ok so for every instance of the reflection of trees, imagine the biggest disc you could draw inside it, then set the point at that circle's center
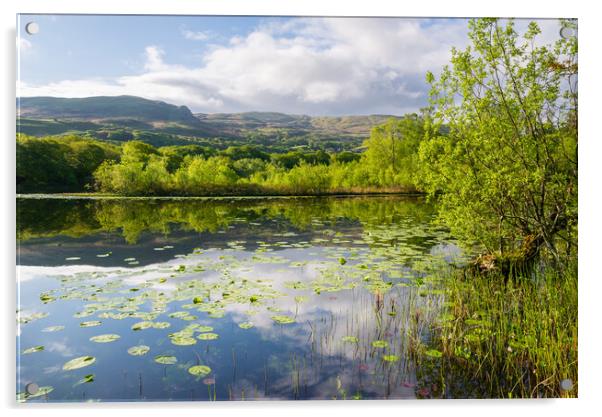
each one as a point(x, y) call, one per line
point(47, 217)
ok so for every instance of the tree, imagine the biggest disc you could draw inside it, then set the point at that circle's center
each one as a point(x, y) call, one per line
point(507, 168)
point(391, 150)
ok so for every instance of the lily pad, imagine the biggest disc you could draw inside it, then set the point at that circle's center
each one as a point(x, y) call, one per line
point(45, 390)
point(183, 340)
point(90, 323)
point(390, 358)
point(33, 349)
point(283, 319)
point(350, 339)
point(53, 329)
point(207, 336)
point(105, 338)
point(204, 329)
point(85, 380)
point(166, 359)
point(142, 325)
point(246, 325)
point(199, 370)
point(138, 350)
point(381, 344)
point(79, 363)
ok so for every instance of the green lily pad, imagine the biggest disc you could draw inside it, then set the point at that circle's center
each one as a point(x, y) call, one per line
point(350, 339)
point(142, 325)
point(203, 329)
point(166, 359)
point(390, 358)
point(199, 370)
point(105, 338)
point(85, 380)
point(79, 363)
point(283, 319)
point(53, 329)
point(33, 349)
point(246, 325)
point(183, 340)
point(45, 390)
point(138, 350)
point(381, 344)
point(207, 336)
point(90, 323)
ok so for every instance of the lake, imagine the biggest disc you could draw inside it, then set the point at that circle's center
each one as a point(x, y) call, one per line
point(227, 299)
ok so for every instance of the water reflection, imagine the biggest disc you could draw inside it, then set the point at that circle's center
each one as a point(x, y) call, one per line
point(309, 298)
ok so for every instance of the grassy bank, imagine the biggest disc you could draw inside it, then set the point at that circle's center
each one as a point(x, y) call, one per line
point(511, 340)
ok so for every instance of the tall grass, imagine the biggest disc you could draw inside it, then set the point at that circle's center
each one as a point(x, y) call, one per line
point(509, 339)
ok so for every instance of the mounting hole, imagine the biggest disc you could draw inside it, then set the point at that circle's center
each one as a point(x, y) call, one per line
point(32, 28)
point(567, 33)
point(32, 388)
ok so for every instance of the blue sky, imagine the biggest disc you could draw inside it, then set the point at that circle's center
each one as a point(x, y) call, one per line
point(217, 64)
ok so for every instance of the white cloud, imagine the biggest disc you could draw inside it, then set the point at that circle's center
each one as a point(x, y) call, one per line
point(196, 36)
point(313, 65)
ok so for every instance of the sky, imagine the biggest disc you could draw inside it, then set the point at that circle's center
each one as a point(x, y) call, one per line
point(213, 64)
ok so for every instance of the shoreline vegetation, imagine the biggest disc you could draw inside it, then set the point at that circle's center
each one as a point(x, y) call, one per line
point(335, 193)
point(495, 150)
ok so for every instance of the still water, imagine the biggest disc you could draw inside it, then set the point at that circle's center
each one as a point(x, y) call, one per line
point(226, 299)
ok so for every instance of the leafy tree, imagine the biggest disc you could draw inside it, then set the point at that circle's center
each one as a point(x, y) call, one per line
point(391, 150)
point(508, 166)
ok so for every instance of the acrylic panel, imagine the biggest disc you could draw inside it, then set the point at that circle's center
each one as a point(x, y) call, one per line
point(221, 208)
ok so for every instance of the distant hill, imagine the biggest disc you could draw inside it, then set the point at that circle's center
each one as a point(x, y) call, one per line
point(123, 118)
point(238, 123)
point(99, 109)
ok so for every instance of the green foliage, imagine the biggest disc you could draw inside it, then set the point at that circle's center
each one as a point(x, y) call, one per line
point(524, 333)
point(58, 164)
point(507, 169)
point(391, 151)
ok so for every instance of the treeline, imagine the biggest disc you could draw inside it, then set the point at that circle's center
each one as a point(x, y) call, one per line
point(136, 168)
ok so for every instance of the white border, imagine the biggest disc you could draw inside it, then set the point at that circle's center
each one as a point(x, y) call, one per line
point(590, 348)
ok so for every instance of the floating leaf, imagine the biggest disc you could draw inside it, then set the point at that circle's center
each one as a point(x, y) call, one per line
point(283, 319)
point(90, 323)
point(73, 258)
point(79, 363)
point(85, 380)
point(53, 329)
point(166, 359)
point(138, 350)
point(390, 358)
point(105, 338)
point(46, 298)
point(245, 325)
point(45, 390)
point(203, 329)
point(142, 325)
point(380, 344)
point(182, 340)
point(199, 370)
point(342, 261)
point(350, 339)
point(33, 349)
point(208, 336)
